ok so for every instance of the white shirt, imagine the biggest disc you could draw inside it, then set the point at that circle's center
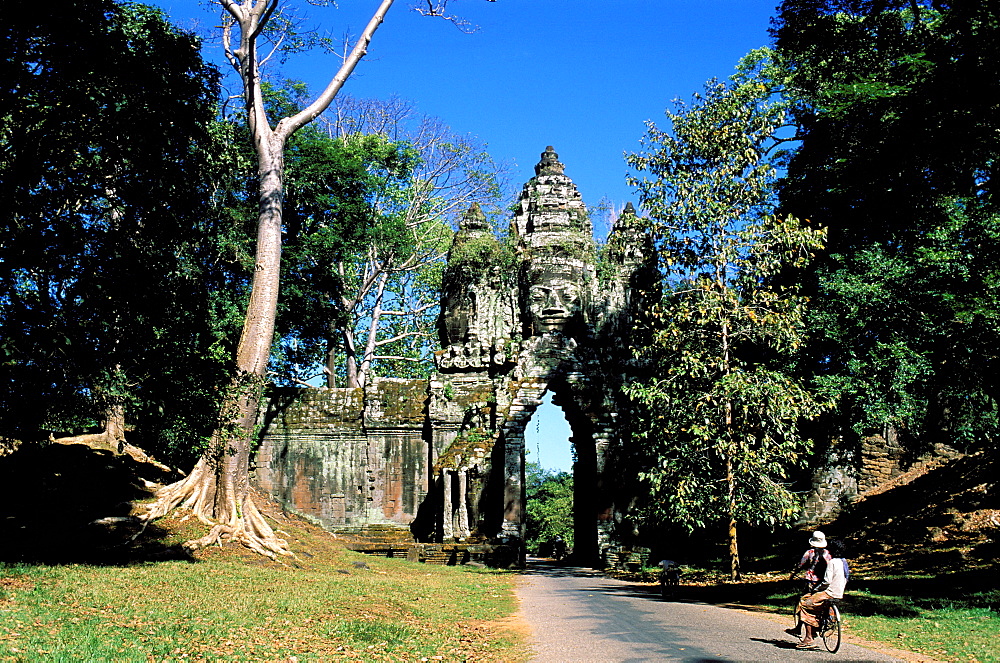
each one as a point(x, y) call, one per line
point(835, 577)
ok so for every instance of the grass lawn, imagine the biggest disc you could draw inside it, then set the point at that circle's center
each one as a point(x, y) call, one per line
point(328, 604)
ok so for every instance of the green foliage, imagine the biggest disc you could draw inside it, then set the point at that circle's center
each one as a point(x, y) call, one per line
point(114, 281)
point(549, 506)
point(367, 229)
point(716, 428)
point(472, 257)
point(331, 225)
point(899, 139)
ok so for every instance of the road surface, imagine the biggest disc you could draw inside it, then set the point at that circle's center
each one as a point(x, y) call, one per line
point(578, 615)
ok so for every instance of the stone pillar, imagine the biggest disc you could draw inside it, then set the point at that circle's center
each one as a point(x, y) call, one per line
point(462, 527)
point(513, 494)
point(448, 517)
point(603, 506)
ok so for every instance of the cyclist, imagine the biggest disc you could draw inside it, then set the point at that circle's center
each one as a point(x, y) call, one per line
point(831, 588)
point(814, 561)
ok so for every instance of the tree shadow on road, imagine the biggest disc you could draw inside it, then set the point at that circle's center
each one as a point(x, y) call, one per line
point(540, 566)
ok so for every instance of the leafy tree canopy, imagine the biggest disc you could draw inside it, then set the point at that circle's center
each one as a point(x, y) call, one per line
point(112, 256)
point(896, 104)
point(716, 426)
point(549, 506)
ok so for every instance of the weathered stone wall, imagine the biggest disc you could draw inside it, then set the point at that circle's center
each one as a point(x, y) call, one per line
point(347, 458)
point(846, 473)
point(882, 459)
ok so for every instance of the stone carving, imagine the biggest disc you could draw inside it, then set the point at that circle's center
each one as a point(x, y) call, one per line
point(534, 328)
point(517, 320)
point(549, 165)
point(552, 304)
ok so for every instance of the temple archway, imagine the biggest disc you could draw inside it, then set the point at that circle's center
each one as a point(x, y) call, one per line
point(536, 312)
point(512, 329)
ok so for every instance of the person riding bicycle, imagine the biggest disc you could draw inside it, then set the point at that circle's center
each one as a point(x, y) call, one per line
point(559, 548)
point(814, 561)
point(812, 604)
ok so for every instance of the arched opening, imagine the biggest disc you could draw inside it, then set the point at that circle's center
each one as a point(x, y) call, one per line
point(549, 481)
point(547, 437)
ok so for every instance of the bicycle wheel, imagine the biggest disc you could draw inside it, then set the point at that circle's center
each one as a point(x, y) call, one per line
point(831, 630)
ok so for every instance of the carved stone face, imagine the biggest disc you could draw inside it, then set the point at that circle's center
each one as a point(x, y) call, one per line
point(458, 311)
point(552, 304)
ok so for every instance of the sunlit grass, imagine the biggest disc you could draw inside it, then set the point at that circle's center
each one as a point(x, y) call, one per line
point(956, 628)
point(331, 605)
point(962, 627)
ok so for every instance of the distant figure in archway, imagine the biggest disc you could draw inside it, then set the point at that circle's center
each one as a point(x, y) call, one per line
point(559, 549)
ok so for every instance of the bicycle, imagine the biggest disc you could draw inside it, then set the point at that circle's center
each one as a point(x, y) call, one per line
point(830, 625)
point(829, 630)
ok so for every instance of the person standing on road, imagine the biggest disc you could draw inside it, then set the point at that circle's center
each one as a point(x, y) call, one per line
point(812, 604)
point(815, 561)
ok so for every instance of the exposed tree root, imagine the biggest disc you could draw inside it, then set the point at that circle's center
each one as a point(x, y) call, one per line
point(231, 519)
point(107, 441)
point(103, 441)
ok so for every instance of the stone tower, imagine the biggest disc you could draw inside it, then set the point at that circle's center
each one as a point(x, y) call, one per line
point(519, 319)
point(532, 312)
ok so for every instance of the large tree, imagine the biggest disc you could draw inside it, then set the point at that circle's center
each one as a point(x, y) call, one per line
point(218, 488)
point(114, 287)
point(899, 131)
point(716, 426)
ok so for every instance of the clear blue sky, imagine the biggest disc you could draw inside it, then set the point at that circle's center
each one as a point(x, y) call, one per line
point(546, 439)
point(581, 75)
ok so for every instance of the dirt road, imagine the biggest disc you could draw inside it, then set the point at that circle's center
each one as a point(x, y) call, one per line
point(578, 615)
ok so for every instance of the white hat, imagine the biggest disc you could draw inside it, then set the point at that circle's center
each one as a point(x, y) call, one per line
point(818, 540)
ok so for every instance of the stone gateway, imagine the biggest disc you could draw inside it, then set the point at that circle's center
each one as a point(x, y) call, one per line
point(444, 458)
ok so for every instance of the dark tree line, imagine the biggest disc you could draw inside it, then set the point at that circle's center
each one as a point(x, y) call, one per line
point(116, 257)
point(876, 124)
point(896, 106)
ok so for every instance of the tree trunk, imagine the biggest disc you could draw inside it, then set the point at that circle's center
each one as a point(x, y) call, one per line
point(112, 435)
point(350, 360)
point(218, 488)
point(734, 552)
point(364, 368)
point(331, 355)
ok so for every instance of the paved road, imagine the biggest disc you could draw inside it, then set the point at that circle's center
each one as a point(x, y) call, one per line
point(577, 615)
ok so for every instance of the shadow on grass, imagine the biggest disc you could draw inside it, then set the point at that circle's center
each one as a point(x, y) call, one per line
point(66, 504)
point(902, 597)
